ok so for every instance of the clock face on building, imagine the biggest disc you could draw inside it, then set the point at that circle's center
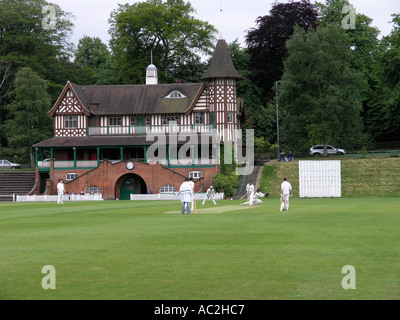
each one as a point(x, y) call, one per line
point(130, 165)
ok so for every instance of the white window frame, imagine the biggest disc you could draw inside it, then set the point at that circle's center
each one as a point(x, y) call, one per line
point(229, 117)
point(115, 121)
point(170, 120)
point(71, 176)
point(195, 174)
point(199, 118)
point(175, 95)
point(70, 122)
point(168, 188)
point(92, 189)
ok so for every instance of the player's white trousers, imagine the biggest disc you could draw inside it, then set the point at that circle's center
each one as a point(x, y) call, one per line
point(212, 198)
point(60, 198)
point(285, 202)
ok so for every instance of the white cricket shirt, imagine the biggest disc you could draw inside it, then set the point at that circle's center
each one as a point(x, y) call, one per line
point(286, 187)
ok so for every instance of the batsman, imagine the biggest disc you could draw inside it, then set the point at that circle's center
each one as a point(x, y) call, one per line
point(286, 191)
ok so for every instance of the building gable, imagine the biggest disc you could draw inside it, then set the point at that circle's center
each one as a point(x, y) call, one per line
point(199, 102)
point(69, 103)
point(70, 115)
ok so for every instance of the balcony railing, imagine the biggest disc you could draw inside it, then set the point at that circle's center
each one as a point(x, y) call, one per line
point(141, 130)
point(185, 162)
point(90, 164)
point(68, 164)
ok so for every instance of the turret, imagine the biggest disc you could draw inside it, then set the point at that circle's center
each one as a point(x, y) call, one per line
point(221, 80)
point(151, 75)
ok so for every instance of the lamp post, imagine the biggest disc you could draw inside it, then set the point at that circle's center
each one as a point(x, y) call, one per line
point(277, 117)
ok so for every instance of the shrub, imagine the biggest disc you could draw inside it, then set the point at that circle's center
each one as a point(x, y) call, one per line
point(227, 183)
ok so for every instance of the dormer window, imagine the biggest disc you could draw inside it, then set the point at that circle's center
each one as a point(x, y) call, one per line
point(175, 94)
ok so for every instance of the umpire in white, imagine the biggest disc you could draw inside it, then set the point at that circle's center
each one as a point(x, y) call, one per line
point(186, 195)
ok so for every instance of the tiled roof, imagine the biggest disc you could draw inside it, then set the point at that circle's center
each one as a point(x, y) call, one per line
point(136, 99)
point(106, 141)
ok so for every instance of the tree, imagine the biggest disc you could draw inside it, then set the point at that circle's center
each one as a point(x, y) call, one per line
point(246, 88)
point(363, 38)
point(386, 114)
point(5, 72)
point(227, 180)
point(227, 183)
point(94, 57)
point(363, 42)
point(28, 122)
point(320, 93)
point(108, 74)
point(255, 115)
point(25, 41)
point(91, 52)
point(166, 29)
point(266, 43)
point(189, 71)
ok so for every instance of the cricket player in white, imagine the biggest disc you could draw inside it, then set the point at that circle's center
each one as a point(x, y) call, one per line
point(210, 194)
point(286, 191)
point(60, 191)
point(185, 191)
point(255, 198)
point(250, 192)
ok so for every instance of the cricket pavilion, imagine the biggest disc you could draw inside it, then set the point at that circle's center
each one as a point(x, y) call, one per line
point(117, 140)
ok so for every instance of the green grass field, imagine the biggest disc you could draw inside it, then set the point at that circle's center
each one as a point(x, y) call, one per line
point(148, 250)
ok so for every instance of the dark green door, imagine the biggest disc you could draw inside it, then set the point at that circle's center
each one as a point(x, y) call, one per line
point(212, 121)
point(140, 125)
point(127, 187)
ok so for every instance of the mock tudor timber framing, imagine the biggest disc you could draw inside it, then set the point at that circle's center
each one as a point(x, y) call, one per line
point(94, 123)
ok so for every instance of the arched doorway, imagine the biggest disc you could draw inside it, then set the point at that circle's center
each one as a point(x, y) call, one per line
point(130, 183)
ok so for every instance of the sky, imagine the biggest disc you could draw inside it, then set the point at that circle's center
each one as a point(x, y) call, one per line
point(233, 22)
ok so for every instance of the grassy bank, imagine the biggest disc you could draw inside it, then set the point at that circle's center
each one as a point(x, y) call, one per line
point(372, 177)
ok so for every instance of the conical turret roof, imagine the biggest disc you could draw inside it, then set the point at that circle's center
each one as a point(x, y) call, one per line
point(221, 63)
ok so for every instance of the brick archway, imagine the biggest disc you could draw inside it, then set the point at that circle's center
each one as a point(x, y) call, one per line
point(129, 183)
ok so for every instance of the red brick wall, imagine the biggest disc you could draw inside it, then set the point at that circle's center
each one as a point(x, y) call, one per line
point(108, 177)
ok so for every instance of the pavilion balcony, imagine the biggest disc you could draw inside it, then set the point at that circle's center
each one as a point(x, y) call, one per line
point(84, 164)
point(143, 130)
point(171, 162)
point(44, 166)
